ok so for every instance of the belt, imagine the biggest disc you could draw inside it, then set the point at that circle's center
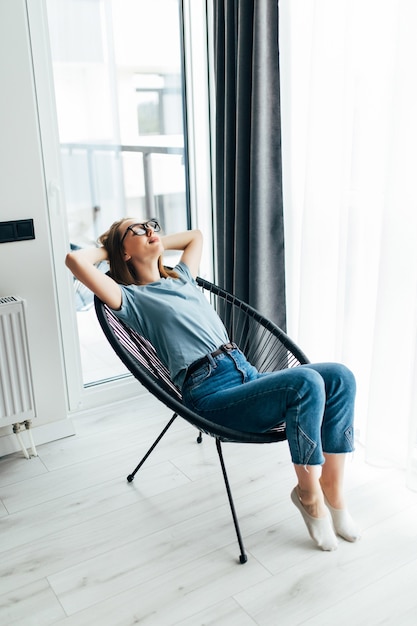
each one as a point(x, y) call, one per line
point(226, 347)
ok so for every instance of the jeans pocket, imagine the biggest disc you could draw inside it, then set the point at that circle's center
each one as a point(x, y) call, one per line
point(198, 377)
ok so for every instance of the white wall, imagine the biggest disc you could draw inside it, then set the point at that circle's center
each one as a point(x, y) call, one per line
point(26, 266)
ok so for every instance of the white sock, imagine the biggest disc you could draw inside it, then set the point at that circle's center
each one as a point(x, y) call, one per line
point(320, 528)
point(344, 524)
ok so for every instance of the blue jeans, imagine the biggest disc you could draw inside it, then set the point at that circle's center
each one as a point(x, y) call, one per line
point(315, 401)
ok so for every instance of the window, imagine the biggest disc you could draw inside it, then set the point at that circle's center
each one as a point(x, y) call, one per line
point(120, 99)
point(86, 51)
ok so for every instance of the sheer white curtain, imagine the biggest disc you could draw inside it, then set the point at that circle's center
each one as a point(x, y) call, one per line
point(349, 126)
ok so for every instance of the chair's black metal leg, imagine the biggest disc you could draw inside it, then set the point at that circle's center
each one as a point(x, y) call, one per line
point(243, 557)
point(155, 443)
point(200, 437)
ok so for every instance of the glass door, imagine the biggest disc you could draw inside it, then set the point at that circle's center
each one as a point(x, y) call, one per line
point(120, 100)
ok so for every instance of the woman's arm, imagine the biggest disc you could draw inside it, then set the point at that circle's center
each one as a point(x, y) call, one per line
point(191, 243)
point(82, 264)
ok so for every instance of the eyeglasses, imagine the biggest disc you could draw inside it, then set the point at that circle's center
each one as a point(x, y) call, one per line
point(142, 229)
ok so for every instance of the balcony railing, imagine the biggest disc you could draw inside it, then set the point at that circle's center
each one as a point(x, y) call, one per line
point(155, 145)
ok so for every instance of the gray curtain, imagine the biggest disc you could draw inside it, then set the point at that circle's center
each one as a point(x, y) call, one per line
point(249, 214)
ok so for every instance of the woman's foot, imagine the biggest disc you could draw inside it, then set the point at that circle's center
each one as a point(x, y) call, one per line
point(344, 525)
point(320, 528)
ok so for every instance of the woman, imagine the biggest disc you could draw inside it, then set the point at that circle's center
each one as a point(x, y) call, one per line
point(315, 401)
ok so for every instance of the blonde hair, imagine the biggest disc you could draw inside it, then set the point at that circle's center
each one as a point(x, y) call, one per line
point(123, 271)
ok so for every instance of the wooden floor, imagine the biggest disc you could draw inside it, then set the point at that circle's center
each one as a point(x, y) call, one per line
point(82, 547)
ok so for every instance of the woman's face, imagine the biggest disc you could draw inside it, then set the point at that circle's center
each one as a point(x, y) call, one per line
point(140, 239)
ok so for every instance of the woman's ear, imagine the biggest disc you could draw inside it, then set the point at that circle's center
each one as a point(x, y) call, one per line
point(126, 257)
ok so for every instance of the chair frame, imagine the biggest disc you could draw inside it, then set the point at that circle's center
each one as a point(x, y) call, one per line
point(269, 345)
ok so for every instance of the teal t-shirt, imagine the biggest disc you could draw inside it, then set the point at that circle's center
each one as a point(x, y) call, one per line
point(176, 317)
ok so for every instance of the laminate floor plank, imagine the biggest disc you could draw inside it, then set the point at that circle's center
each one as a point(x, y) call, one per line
point(34, 604)
point(174, 595)
point(226, 613)
point(389, 600)
point(305, 587)
point(79, 545)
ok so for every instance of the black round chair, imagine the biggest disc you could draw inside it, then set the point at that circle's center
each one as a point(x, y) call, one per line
point(265, 345)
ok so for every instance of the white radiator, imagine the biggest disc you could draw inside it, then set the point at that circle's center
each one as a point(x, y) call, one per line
point(16, 389)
